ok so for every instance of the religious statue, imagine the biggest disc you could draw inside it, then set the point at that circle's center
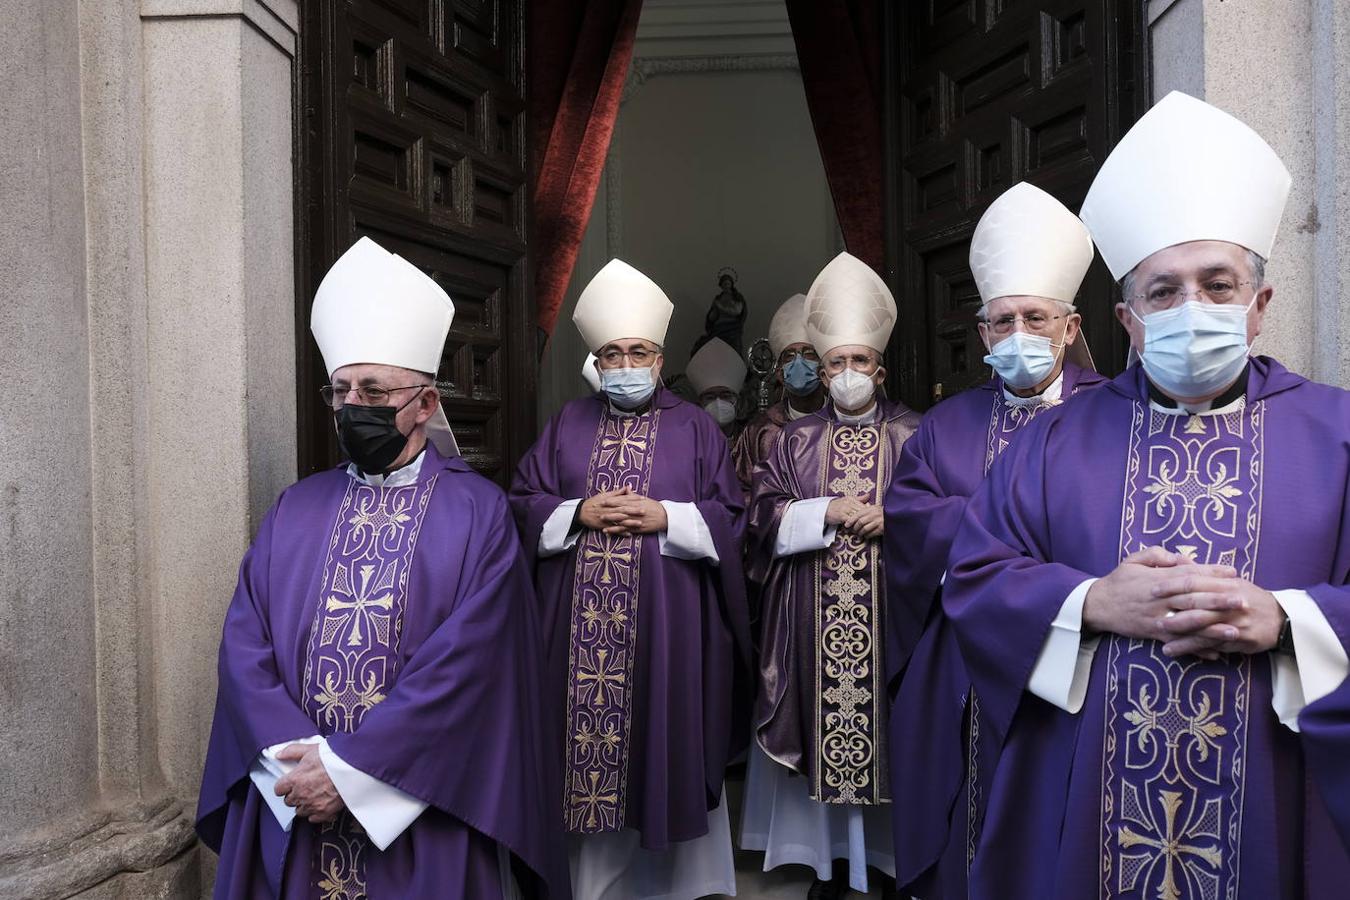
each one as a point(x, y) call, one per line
point(726, 315)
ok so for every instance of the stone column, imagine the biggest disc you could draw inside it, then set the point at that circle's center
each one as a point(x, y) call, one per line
point(220, 289)
point(48, 686)
point(149, 329)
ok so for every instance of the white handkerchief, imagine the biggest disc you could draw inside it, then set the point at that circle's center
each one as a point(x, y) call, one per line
point(267, 770)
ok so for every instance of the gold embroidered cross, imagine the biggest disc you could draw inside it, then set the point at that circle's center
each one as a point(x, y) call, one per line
point(360, 604)
point(1170, 847)
point(632, 437)
point(601, 674)
point(612, 553)
point(593, 798)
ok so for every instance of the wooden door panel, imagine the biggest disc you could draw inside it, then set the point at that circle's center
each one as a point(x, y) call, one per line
point(991, 93)
point(413, 134)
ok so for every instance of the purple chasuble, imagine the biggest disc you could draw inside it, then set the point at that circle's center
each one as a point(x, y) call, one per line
point(353, 646)
point(935, 740)
point(822, 703)
point(754, 444)
point(399, 623)
point(647, 653)
point(1175, 780)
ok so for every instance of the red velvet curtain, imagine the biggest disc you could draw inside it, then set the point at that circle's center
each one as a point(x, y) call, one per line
point(577, 58)
point(839, 51)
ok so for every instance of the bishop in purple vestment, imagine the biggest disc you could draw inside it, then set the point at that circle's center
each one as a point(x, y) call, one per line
point(1151, 581)
point(797, 374)
point(632, 519)
point(819, 777)
point(379, 727)
point(1028, 256)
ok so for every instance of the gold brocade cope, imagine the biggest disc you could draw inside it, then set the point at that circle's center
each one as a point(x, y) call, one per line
point(354, 643)
point(850, 702)
point(1175, 743)
point(603, 636)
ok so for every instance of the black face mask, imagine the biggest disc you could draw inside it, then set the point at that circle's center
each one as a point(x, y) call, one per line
point(369, 437)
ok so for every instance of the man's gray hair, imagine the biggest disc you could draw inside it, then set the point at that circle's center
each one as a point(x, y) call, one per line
point(1255, 261)
point(1065, 308)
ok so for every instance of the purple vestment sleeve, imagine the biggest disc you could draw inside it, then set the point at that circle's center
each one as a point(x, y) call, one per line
point(1000, 593)
point(754, 444)
point(921, 523)
point(774, 487)
point(1325, 727)
point(535, 493)
point(254, 708)
point(722, 506)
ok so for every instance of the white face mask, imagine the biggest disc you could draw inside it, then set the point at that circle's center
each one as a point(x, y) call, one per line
point(1196, 349)
point(851, 389)
point(721, 409)
point(1024, 360)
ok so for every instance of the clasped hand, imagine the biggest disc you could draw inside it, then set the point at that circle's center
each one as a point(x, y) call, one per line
point(1190, 607)
point(866, 520)
point(307, 787)
point(623, 511)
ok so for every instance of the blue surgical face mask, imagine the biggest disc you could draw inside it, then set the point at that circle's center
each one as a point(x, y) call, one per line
point(628, 388)
point(1196, 349)
point(1024, 360)
point(801, 376)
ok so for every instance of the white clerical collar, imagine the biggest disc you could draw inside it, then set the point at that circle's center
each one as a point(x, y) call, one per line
point(398, 478)
point(866, 418)
point(793, 413)
point(1234, 398)
point(1198, 409)
point(1048, 397)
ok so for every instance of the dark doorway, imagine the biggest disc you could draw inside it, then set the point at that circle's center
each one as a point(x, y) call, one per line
point(984, 94)
point(412, 131)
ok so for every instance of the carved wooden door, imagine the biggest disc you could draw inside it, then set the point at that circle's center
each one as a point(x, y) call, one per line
point(412, 131)
point(993, 92)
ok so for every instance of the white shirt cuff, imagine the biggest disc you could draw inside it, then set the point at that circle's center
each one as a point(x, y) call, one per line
point(1319, 663)
point(267, 770)
point(383, 810)
point(686, 535)
point(555, 538)
point(1064, 665)
point(803, 529)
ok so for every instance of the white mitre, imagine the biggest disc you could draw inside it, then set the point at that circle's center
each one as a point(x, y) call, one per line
point(848, 303)
point(375, 307)
point(716, 364)
point(1186, 171)
point(788, 325)
point(590, 373)
point(1028, 244)
point(621, 302)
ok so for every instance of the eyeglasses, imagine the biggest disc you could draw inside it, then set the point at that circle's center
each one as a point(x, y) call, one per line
point(638, 356)
point(787, 356)
point(1036, 323)
point(1166, 296)
point(865, 363)
point(369, 394)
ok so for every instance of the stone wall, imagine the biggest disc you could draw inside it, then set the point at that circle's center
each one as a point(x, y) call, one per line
point(1273, 63)
point(147, 344)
